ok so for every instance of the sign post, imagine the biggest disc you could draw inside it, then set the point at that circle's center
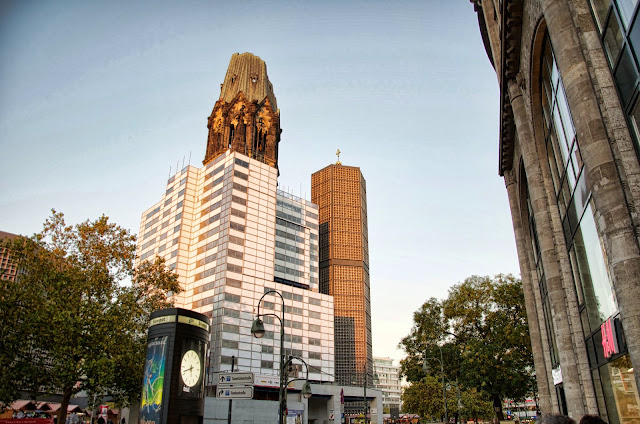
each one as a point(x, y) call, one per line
point(235, 392)
point(235, 385)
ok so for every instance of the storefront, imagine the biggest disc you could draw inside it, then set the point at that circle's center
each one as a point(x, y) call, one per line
point(613, 375)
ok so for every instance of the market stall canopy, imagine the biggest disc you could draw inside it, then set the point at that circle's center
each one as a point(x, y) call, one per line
point(23, 405)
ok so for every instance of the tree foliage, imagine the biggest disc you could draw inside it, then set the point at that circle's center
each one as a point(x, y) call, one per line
point(481, 330)
point(424, 397)
point(76, 316)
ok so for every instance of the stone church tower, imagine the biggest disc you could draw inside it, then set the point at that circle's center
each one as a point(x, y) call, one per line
point(246, 118)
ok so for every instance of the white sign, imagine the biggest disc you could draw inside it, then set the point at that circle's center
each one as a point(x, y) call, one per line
point(557, 375)
point(235, 392)
point(267, 381)
point(235, 378)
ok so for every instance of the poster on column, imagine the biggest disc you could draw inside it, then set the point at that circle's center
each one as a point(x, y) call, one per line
point(294, 416)
point(153, 381)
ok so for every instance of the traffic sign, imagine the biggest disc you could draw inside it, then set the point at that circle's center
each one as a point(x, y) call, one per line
point(235, 392)
point(235, 378)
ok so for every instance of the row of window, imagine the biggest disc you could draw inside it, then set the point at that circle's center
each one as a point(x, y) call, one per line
point(288, 236)
point(239, 200)
point(288, 205)
point(291, 225)
point(211, 208)
point(290, 259)
point(212, 184)
point(290, 247)
point(242, 163)
point(211, 196)
point(153, 212)
point(214, 172)
point(210, 221)
point(288, 217)
point(289, 271)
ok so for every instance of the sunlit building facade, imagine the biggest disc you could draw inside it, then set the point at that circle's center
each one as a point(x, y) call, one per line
point(231, 236)
point(8, 270)
point(569, 151)
point(387, 380)
point(340, 193)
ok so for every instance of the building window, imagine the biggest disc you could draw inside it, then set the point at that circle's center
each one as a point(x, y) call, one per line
point(619, 27)
point(593, 283)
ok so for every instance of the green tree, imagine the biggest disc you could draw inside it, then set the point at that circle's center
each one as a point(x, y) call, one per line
point(476, 405)
point(482, 331)
point(76, 317)
point(424, 397)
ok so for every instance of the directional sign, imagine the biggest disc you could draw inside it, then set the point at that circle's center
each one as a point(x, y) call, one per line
point(235, 379)
point(235, 392)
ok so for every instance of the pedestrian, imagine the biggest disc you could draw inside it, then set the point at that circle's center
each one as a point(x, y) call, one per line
point(101, 420)
point(592, 419)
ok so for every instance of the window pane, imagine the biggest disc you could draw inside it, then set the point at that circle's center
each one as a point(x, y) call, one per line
point(626, 8)
point(576, 278)
point(613, 40)
point(600, 9)
point(590, 256)
point(635, 120)
point(557, 121)
point(567, 123)
point(626, 77)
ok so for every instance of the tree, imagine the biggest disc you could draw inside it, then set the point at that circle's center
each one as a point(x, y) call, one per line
point(482, 330)
point(424, 397)
point(76, 316)
point(476, 405)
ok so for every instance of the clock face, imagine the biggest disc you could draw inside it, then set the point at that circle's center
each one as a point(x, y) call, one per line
point(190, 368)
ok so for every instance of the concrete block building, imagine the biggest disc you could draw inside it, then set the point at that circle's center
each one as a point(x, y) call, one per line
point(568, 73)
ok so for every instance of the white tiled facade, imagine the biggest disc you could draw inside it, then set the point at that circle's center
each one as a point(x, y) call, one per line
point(387, 381)
point(230, 235)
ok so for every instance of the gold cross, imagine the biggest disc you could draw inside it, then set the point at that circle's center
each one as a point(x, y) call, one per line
point(338, 154)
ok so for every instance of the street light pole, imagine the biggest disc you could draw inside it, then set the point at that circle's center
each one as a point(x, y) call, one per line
point(425, 367)
point(257, 329)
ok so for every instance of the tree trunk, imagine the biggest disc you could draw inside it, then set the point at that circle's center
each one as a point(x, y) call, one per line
point(497, 406)
point(62, 412)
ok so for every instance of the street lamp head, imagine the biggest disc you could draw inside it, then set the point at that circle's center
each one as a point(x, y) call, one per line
point(306, 390)
point(425, 366)
point(257, 328)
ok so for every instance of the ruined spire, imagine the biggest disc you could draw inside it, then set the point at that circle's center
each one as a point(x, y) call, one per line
point(246, 118)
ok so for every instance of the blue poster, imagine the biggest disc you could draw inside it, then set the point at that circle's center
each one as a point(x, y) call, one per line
point(153, 381)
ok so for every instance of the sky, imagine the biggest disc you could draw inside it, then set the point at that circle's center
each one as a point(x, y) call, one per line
point(100, 102)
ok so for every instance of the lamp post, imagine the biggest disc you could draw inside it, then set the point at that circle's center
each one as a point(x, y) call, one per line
point(306, 387)
point(425, 368)
point(257, 329)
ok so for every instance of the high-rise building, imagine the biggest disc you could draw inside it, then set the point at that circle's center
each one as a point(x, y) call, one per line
point(231, 236)
point(8, 270)
point(340, 193)
point(569, 79)
point(387, 380)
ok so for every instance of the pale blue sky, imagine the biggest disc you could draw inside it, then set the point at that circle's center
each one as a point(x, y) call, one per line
point(100, 99)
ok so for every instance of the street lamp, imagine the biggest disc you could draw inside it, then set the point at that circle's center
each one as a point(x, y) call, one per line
point(306, 387)
point(425, 368)
point(257, 329)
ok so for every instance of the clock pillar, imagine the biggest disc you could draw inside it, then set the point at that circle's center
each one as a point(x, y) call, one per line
point(174, 371)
